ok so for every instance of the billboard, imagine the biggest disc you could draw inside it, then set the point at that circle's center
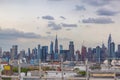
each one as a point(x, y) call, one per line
point(7, 67)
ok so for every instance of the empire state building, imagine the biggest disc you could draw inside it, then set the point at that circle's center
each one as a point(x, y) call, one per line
point(56, 45)
point(56, 49)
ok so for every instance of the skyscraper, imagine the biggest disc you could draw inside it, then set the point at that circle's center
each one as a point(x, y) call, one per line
point(83, 53)
point(71, 49)
point(109, 47)
point(56, 49)
point(56, 45)
point(14, 52)
point(112, 50)
point(119, 48)
point(104, 54)
point(77, 56)
point(61, 47)
point(89, 54)
point(44, 53)
point(29, 54)
point(0, 52)
point(98, 54)
point(22, 54)
point(118, 52)
point(39, 53)
point(51, 51)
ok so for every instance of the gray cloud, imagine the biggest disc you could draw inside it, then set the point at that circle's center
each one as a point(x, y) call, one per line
point(54, 26)
point(38, 17)
point(48, 32)
point(55, 0)
point(69, 25)
point(97, 2)
point(80, 8)
point(106, 12)
point(15, 34)
point(99, 20)
point(62, 17)
point(48, 17)
point(68, 29)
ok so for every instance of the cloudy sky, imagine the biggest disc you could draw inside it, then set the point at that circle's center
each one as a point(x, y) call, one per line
point(28, 23)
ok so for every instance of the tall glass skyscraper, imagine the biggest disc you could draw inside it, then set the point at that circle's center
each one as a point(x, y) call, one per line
point(29, 54)
point(71, 49)
point(39, 52)
point(56, 49)
point(112, 50)
point(14, 52)
point(44, 53)
point(109, 47)
point(98, 54)
point(51, 51)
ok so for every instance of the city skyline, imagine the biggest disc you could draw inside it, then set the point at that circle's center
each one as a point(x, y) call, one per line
point(28, 23)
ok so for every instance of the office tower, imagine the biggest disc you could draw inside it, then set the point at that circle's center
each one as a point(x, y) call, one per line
point(104, 54)
point(83, 53)
point(39, 53)
point(44, 53)
point(112, 48)
point(29, 53)
point(56, 49)
point(51, 51)
point(90, 54)
point(71, 49)
point(98, 54)
point(6, 56)
point(94, 54)
point(77, 56)
point(119, 48)
point(109, 47)
point(61, 55)
point(118, 52)
point(22, 54)
point(14, 52)
point(65, 55)
point(56, 45)
point(35, 54)
point(0, 52)
point(61, 47)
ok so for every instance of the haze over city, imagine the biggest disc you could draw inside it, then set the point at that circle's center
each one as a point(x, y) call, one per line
point(28, 23)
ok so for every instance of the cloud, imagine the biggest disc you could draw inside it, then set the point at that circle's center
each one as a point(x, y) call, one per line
point(54, 26)
point(100, 20)
point(15, 34)
point(69, 25)
point(48, 32)
point(80, 8)
point(68, 29)
point(97, 2)
point(38, 17)
point(106, 12)
point(55, 0)
point(62, 17)
point(48, 17)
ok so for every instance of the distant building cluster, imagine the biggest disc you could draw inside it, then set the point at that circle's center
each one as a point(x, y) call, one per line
point(98, 54)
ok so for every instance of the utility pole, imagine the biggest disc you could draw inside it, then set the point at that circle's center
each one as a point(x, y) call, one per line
point(62, 69)
point(87, 72)
point(19, 69)
point(40, 68)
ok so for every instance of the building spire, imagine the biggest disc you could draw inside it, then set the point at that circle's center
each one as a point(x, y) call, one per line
point(110, 38)
point(56, 48)
point(56, 36)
